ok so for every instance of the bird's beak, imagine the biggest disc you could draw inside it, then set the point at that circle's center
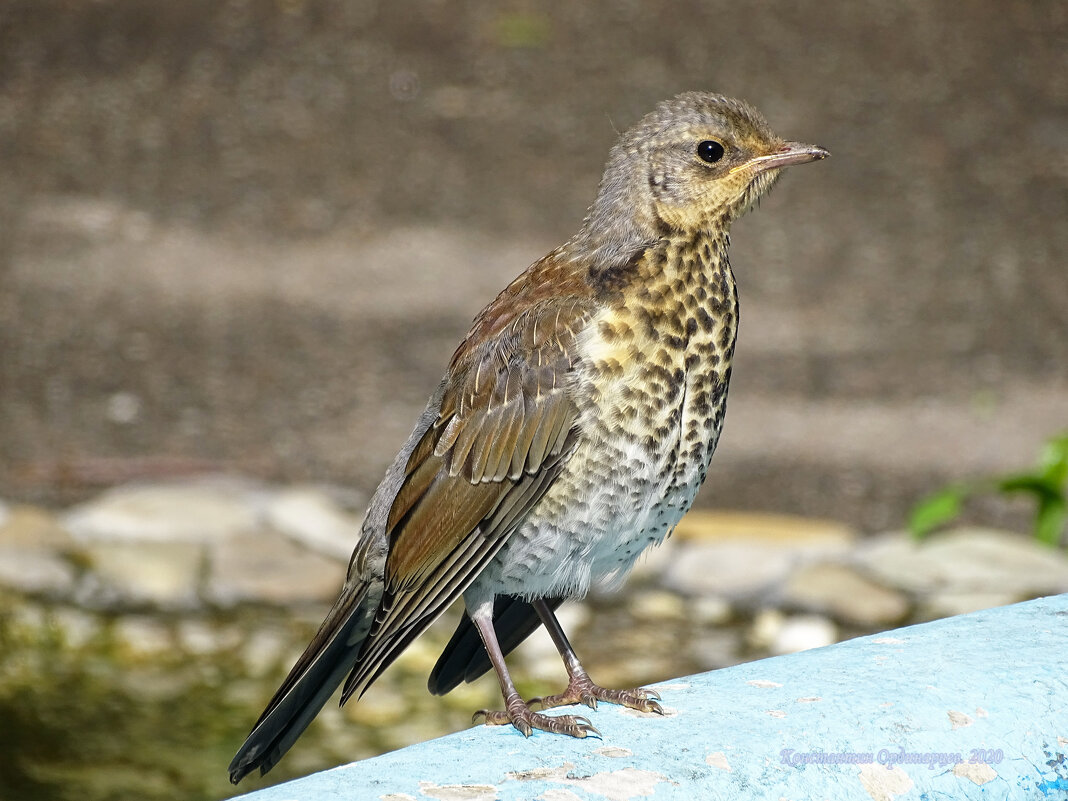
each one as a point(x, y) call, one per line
point(789, 154)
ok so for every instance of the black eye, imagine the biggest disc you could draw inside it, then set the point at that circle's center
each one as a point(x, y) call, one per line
point(710, 151)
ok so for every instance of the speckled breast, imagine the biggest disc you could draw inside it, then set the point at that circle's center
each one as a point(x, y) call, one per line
point(651, 388)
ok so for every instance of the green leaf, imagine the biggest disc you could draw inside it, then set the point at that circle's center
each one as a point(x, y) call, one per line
point(936, 510)
point(1053, 463)
point(1039, 486)
point(1050, 519)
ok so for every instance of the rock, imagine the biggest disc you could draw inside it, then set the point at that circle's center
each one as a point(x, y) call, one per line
point(801, 632)
point(780, 634)
point(266, 567)
point(710, 611)
point(33, 553)
point(704, 525)
point(947, 604)
point(205, 510)
point(654, 605)
point(741, 556)
point(967, 560)
point(838, 590)
point(716, 648)
point(309, 516)
point(126, 575)
point(143, 636)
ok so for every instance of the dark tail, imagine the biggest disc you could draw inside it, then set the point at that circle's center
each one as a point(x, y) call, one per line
point(465, 657)
point(321, 668)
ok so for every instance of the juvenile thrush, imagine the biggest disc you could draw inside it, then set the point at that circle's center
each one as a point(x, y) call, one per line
point(571, 431)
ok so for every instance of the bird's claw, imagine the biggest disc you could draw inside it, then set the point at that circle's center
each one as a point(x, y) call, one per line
point(582, 690)
point(526, 720)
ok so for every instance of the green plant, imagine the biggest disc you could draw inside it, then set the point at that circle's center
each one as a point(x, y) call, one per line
point(1047, 483)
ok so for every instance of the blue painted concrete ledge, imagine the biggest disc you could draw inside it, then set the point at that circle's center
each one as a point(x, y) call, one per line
point(969, 707)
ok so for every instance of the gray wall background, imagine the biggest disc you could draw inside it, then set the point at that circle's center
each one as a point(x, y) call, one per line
point(247, 235)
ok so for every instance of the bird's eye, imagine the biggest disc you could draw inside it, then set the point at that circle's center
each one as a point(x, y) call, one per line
point(710, 151)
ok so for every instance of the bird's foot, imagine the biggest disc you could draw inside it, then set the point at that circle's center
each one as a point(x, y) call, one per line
point(582, 690)
point(526, 720)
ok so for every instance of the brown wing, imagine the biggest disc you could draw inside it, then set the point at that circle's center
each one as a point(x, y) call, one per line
point(505, 426)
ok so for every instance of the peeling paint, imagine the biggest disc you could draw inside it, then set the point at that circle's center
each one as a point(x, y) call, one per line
point(980, 773)
point(718, 759)
point(669, 712)
point(763, 683)
point(613, 751)
point(958, 719)
point(541, 774)
point(888, 641)
point(396, 797)
point(883, 783)
point(458, 792)
point(775, 713)
point(981, 713)
point(810, 700)
point(621, 785)
point(558, 795)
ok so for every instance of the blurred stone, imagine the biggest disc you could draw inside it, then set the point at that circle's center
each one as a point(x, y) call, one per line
point(946, 604)
point(310, 517)
point(654, 561)
point(710, 611)
point(35, 572)
point(653, 605)
point(716, 648)
point(801, 632)
point(133, 574)
point(205, 510)
point(967, 560)
point(841, 592)
point(266, 567)
point(699, 524)
point(143, 636)
point(33, 548)
point(739, 556)
point(765, 628)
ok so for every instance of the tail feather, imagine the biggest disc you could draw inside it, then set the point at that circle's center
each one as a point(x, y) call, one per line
point(465, 657)
point(309, 685)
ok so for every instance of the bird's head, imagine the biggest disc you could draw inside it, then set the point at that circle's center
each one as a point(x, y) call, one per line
point(696, 162)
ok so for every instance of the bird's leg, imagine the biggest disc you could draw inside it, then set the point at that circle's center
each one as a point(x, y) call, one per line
point(517, 711)
point(580, 687)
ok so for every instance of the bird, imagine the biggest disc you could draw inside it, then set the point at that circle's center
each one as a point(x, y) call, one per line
point(571, 431)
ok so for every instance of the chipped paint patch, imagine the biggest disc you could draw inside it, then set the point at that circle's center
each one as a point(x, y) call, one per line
point(763, 683)
point(718, 759)
point(558, 795)
point(396, 797)
point(458, 792)
point(883, 783)
point(775, 713)
point(980, 772)
point(888, 641)
point(1062, 741)
point(958, 719)
point(541, 774)
point(669, 712)
point(612, 751)
point(809, 700)
point(981, 713)
point(621, 785)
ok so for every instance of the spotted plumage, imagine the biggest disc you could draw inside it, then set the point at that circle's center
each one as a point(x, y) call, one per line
point(571, 431)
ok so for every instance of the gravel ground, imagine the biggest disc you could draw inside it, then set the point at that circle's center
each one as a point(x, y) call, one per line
point(247, 235)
